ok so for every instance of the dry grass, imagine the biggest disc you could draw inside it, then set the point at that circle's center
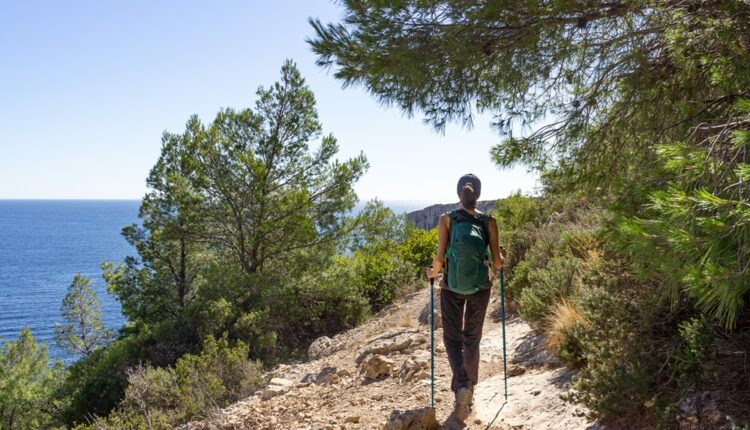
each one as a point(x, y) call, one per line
point(562, 319)
point(407, 321)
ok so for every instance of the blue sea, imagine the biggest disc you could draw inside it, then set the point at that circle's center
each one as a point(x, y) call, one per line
point(44, 243)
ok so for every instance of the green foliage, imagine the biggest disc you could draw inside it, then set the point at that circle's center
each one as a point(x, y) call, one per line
point(418, 248)
point(380, 275)
point(695, 235)
point(566, 230)
point(694, 352)
point(97, 382)
point(516, 211)
point(572, 285)
point(83, 330)
point(27, 381)
point(548, 285)
point(169, 241)
point(264, 194)
point(389, 254)
point(161, 398)
point(620, 368)
point(315, 304)
point(570, 350)
point(599, 84)
point(653, 110)
point(217, 376)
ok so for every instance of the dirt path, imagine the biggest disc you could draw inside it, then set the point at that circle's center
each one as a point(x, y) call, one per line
point(331, 393)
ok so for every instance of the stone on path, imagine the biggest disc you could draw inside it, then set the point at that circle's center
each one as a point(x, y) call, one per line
point(415, 419)
point(326, 375)
point(415, 367)
point(322, 347)
point(276, 387)
point(376, 366)
point(395, 340)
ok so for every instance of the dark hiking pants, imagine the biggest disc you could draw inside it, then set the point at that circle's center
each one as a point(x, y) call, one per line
point(463, 317)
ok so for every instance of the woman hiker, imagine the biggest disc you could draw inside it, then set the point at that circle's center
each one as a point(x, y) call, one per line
point(464, 236)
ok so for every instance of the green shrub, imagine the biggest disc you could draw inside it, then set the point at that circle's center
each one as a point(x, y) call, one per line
point(548, 286)
point(380, 275)
point(620, 366)
point(217, 376)
point(562, 324)
point(516, 211)
point(418, 249)
point(95, 384)
point(151, 392)
point(689, 359)
point(255, 329)
point(161, 398)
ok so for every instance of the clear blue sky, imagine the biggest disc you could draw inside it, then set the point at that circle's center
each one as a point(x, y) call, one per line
point(87, 88)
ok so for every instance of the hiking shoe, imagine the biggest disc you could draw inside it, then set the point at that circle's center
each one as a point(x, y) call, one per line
point(463, 403)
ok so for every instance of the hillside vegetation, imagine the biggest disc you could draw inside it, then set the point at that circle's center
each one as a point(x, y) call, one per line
point(633, 262)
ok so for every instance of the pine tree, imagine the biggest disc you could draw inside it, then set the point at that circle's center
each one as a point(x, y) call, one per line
point(27, 382)
point(83, 330)
point(602, 90)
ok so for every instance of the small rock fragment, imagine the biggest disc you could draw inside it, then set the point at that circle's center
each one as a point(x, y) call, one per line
point(276, 387)
point(415, 419)
point(325, 375)
point(376, 367)
point(322, 347)
point(414, 368)
point(395, 340)
point(515, 370)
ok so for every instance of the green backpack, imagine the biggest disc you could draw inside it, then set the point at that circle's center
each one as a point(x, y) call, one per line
point(467, 252)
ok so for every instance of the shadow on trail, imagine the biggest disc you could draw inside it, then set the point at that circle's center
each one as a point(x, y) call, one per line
point(496, 415)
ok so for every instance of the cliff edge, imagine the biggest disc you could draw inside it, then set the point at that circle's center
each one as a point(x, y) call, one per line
point(428, 217)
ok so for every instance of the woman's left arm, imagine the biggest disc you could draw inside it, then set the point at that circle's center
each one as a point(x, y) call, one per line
point(498, 259)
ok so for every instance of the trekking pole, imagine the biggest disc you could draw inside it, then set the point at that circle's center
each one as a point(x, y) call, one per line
point(502, 315)
point(432, 342)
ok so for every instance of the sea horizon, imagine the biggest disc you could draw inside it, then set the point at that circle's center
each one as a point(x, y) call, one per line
point(45, 242)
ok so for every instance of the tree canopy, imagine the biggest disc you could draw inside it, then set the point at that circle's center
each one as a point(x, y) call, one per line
point(83, 330)
point(27, 382)
point(643, 104)
point(588, 77)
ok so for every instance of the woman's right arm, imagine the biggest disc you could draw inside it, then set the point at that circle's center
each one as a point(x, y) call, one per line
point(443, 232)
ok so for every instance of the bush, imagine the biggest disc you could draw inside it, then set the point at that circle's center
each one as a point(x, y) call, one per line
point(619, 366)
point(95, 384)
point(380, 275)
point(152, 395)
point(418, 249)
point(562, 324)
point(689, 359)
point(161, 398)
point(517, 211)
point(551, 284)
point(219, 375)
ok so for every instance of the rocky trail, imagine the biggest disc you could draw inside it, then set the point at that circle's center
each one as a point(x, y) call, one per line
point(377, 376)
